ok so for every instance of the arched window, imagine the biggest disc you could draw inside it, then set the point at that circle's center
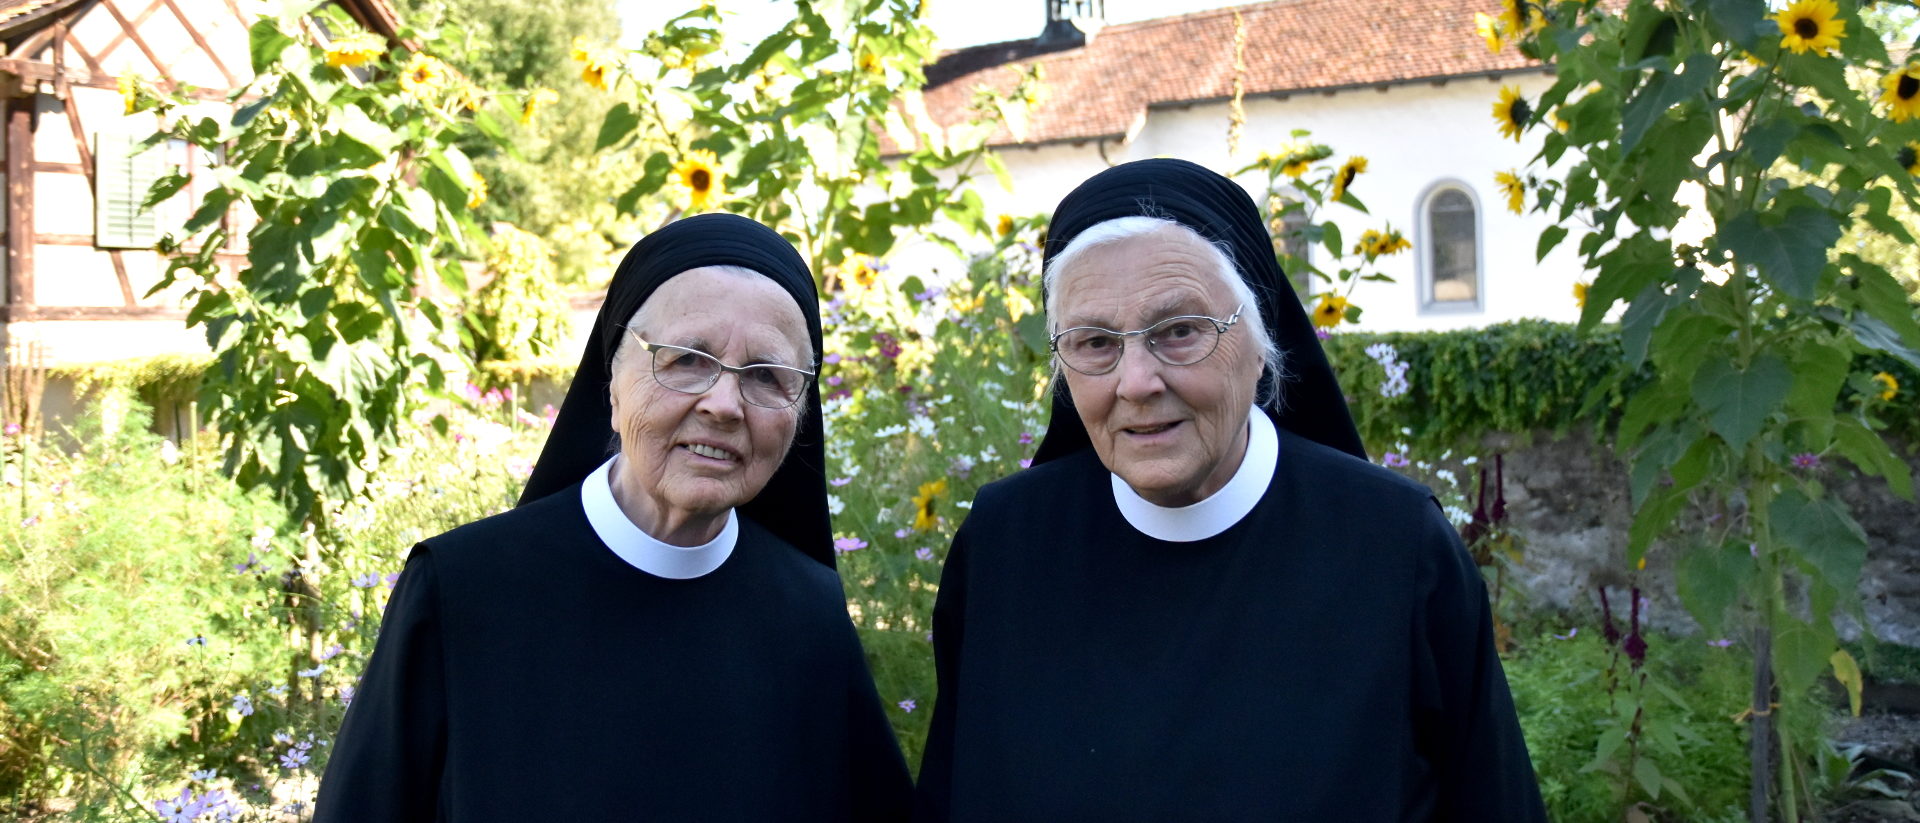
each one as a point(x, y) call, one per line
point(1450, 254)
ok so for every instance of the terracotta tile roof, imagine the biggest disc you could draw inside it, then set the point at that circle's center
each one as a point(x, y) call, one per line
point(14, 14)
point(1104, 88)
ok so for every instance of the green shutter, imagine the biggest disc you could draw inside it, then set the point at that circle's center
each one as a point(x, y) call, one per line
point(122, 179)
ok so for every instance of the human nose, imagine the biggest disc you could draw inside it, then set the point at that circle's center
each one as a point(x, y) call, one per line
point(1139, 371)
point(721, 400)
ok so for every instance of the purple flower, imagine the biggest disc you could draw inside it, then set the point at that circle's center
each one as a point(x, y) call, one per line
point(316, 671)
point(196, 640)
point(889, 346)
point(297, 756)
point(849, 544)
point(277, 690)
point(834, 380)
point(908, 705)
point(1611, 631)
point(1026, 462)
point(242, 705)
point(29, 522)
point(923, 553)
point(1721, 643)
point(347, 693)
point(1026, 438)
point(332, 652)
point(830, 359)
point(902, 533)
point(182, 809)
point(391, 578)
point(204, 775)
point(12, 429)
point(1806, 460)
point(294, 808)
point(1323, 334)
point(1394, 460)
point(1635, 645)
point(839, 481)
point(243, 568)
point(1571, 634)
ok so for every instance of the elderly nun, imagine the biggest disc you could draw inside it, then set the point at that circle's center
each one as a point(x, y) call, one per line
point(1202, 602)
point(656, 632)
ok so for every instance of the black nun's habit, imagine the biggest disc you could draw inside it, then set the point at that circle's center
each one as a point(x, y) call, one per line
point(1325, 655)
point(525, 671)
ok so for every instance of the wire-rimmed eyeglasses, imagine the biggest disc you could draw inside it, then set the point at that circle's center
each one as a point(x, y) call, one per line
point(693, 371)
point(1182, 340)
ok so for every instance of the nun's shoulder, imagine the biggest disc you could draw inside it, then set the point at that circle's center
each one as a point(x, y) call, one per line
point(1315, 465)
point(1042, 487)
point(788, 563)
point(521, 530)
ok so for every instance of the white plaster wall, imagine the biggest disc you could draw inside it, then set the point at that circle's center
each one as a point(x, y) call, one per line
point(94, 341)
point(1413, 136)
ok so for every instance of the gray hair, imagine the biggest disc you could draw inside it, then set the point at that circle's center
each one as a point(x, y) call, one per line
point(620, 351)
point(1124, 228)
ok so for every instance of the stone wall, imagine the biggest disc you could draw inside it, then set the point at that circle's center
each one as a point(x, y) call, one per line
point(1568, 500)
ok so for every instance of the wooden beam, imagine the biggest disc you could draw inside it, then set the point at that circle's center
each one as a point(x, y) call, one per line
point(85, 151)
point(19, 166)
point(120, 273)
point(28, 72)
point(232, 80)
point(239, 15)
point(23, 314)
point(132, 29)
point(49, 239)
point(59, 168)
point(92, 64)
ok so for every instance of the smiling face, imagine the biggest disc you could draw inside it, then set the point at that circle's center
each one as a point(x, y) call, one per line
point(686, 459)
point(1175, 434)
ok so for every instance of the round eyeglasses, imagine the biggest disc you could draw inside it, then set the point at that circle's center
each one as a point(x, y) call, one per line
point(693, 371)
point(1178, 341)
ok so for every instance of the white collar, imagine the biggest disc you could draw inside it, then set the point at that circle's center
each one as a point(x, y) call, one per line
point(643, 551)
point(1221, 509)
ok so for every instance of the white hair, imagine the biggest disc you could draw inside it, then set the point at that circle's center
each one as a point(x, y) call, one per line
point(1220, 256)
point(620, 350)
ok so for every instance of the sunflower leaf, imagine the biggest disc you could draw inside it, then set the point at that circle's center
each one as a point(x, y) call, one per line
point(1791, 254)
point(1738, 402)
point(1549, 237)
point(620, 122)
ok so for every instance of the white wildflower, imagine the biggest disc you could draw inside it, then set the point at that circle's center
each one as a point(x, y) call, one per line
point(835, 505)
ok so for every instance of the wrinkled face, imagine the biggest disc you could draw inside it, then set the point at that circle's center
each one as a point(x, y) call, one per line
point(1174, 433)
point(694, 455)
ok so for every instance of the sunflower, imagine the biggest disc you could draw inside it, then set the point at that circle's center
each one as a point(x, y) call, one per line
point(355, 50)
point(871, 63)
point(698, 176)
point(536, 100)
point(1808, 25)
point(1902, 93)
point(1512, 112)
point(470, 97)
point(593, 64)
point(863, 272)
point(1580, 295)
point(1888, 385)
point(1909, 158)
point(1294, 169)
point(130, 93)
point(476, 190)
point(423, 77)
point(1521, 17)
point(1489, 30)
point(1374, 243)
point(1354, 167)
point(1513, 188)
point(923, 516)
point(1331, 309)
point(1005, 225)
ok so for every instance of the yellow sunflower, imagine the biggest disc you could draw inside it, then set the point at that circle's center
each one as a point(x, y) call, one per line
point(863, 272)
point(1294, 169)
point(1331, 309)
point(1521, 17)
point(476, 190)
point(130, 93)
point(594, 64)
point(470, 96)
point(699, 176)
point(1902, 94)
point(1909, 158)
point(1354, 167)
point(355, 50)
point(537, 99)
point(1580, 295)
point(923, 517)
point(1005, 225)
point(1513, 188)
point(423, 77)
point(1512, 112)
point(1808, 25)
point(1888, 385)
point(1490, 31)
point(1391, 242)
point(871, 63)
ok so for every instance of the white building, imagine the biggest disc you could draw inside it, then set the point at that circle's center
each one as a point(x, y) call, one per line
point(1408, 85)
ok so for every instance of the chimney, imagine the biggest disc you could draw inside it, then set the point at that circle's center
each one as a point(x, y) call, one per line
point(1072, 23)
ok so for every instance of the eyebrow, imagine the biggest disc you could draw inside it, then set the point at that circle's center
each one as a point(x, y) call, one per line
point(1176, 306)
point(703, 346)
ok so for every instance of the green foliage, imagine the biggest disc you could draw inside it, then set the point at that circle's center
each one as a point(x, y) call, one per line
point(1750, 328)
point(1301, 184)
point(792, 134)
point(520, 313)
point(324, 342)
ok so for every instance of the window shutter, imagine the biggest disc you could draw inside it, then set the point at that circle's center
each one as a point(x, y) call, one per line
point(122, 179)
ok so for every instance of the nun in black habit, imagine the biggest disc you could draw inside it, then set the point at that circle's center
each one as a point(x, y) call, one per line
point(656, 632)
point(1202, 602)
